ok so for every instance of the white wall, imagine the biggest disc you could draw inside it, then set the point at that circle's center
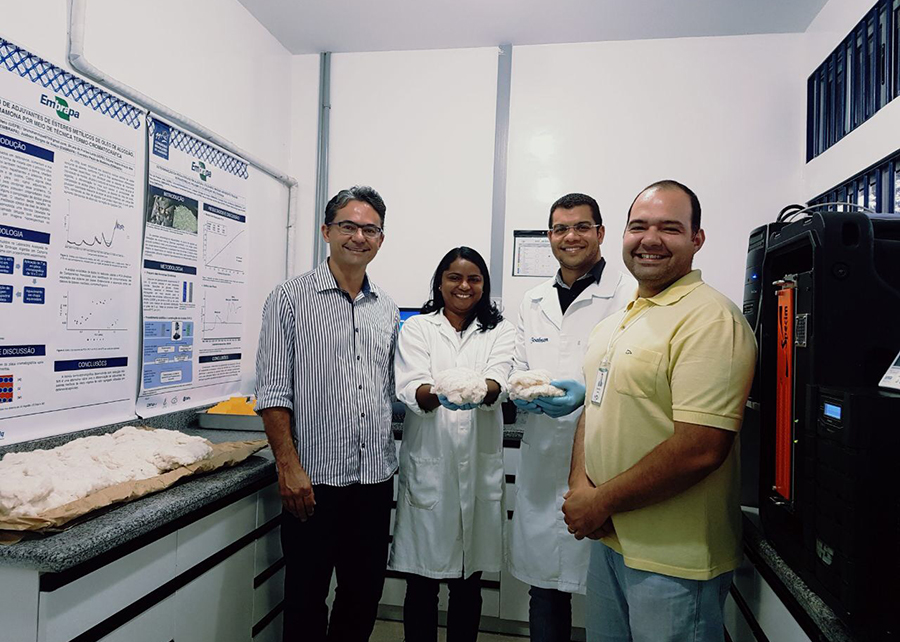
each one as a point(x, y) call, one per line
point(725, 116)
point(870, 142)
point(418, 126)
point(212, 61)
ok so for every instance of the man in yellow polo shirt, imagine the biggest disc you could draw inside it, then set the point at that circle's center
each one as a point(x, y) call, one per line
point(655, 471)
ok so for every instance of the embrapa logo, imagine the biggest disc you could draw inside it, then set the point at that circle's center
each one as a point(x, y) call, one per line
point(60, 106)
point(200, 168)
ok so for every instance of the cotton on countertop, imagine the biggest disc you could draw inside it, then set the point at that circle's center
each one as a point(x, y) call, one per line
point(528, 385)
point(35, 482)
point(460, 385)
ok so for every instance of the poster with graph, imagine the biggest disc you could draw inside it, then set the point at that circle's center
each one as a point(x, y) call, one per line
point(71, 193)
point(194, 272)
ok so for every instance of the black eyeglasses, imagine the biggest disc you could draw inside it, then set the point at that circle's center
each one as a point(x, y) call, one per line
point(580, 228)
point(348, 228)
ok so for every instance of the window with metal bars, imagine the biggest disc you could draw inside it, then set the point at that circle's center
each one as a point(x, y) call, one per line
point(857, 79)
point(877, 188)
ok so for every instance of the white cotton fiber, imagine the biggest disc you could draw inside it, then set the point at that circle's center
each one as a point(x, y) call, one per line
point(528, 385)
point(460, 385)
point(35, 482)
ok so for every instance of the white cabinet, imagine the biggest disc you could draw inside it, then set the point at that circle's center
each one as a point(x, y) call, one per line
point(215, 579)
point(763, 605)
point(76, 607)
point(156, 624)
point(218, 605)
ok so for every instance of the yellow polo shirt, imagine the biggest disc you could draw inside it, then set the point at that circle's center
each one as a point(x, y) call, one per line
point(686, 354)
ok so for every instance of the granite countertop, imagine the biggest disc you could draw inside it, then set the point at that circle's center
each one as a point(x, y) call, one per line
point(126, 522)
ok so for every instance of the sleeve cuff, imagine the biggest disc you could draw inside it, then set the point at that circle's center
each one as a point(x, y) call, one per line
point(274, 401)
point(706, 419)
point(408, 397)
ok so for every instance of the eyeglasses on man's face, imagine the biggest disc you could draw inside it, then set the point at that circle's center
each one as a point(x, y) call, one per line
point(348, 228)
point(580, 228)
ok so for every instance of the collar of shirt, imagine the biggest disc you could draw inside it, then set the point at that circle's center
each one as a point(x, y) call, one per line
point(593, 275)
point(325, 281)
point(678, 290)
point(439, 319)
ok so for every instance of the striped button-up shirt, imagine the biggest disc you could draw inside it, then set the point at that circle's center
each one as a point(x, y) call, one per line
point(330, 361)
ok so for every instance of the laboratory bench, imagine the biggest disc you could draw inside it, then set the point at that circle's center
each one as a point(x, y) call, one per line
point(202, 561)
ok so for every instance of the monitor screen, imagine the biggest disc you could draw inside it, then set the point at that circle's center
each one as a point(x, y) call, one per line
point(832, 410)
point(405, 313)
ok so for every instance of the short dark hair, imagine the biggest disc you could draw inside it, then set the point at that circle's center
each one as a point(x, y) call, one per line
point(487, 312)
point(575, 199)
point(362, 193)
point(670, 184)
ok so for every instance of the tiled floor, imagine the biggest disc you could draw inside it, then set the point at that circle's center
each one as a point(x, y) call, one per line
point(386, 631)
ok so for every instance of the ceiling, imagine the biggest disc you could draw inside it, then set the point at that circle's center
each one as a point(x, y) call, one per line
point(314, 26)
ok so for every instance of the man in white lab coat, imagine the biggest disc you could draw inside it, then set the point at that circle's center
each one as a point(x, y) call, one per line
point(555, 319)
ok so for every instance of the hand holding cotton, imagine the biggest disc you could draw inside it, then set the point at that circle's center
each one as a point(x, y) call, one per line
point(528, 385)
point(460, 386)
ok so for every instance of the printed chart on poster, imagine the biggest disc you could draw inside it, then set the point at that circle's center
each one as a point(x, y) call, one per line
point(71, 217)
point(194, 272)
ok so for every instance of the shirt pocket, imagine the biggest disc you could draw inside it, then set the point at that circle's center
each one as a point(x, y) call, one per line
point(635, 371)
point(423, 482)
point(489, 481)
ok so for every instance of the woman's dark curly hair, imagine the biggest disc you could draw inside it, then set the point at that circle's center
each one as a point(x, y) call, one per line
point(485, 311)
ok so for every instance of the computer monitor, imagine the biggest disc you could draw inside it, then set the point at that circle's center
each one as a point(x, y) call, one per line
point(405, 313)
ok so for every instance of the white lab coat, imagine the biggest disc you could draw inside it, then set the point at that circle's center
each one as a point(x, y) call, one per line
point(449, 520)
point(541, 552)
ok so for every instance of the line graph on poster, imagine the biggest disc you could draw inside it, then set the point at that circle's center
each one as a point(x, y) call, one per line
point(220, 315)
point(223, 246)
point(86, 310)
point(94, 226)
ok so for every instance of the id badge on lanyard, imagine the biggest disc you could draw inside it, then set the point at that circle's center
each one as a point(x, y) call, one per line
point(603, 370)
point(600, 386)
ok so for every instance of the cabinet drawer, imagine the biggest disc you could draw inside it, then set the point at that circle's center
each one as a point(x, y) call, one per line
point(72, 609)
point(268, 595)
point(268, 505)
point(214, 532)
point(272, 631)
point(268, 551)
point(153, 625)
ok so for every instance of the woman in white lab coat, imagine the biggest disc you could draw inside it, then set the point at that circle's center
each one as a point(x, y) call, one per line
point(449, 523)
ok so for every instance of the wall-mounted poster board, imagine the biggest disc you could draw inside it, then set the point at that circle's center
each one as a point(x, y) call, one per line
point(194, 273)
point(71, 189)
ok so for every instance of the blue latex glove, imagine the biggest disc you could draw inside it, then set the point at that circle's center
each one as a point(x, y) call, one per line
point(528, 406)
point(449, 405)
point(561, 406)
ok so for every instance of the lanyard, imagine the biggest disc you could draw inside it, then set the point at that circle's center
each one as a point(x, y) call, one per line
point(620, 330)
point(603, 370)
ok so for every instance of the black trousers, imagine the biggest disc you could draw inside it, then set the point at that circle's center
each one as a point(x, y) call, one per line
point(420, 609)
point(348, 535)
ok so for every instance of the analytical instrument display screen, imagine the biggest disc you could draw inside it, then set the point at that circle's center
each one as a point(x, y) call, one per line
point(832, 411)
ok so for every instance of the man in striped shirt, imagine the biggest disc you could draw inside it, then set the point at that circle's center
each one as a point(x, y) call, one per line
point(324, 382)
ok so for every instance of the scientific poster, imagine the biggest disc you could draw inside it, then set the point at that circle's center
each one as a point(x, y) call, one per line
point(71, 193)
point(194, 272)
